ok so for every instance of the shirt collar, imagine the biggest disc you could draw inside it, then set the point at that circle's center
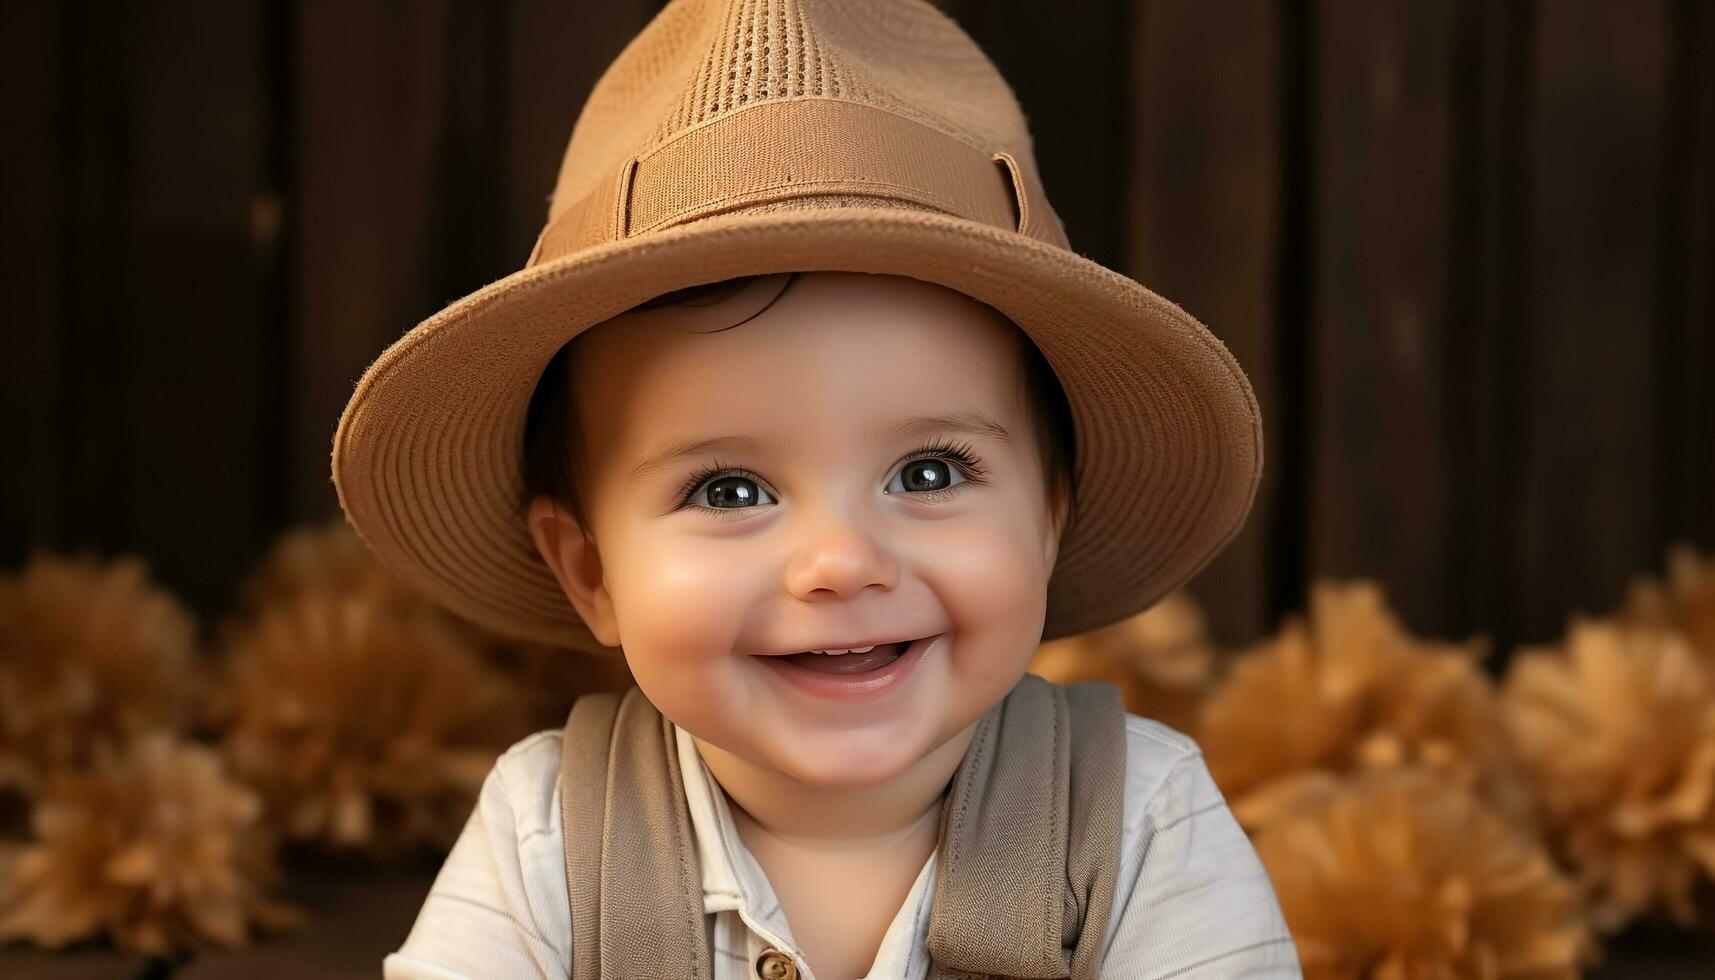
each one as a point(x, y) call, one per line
point(733, 880)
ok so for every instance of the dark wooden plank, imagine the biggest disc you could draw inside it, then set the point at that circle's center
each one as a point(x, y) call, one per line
point(1378, 405)
point(189, 419)
point(556, 51)
point(1590, 387)
point(354, 921)
point(475, 114)
point(368, 141)
point(1202, 213)
point(1656, 949)
point(33, 192)
point(92, 962)
point(1485, 304)
point(1688, 281)
point(1065, 61)
point(92, 484)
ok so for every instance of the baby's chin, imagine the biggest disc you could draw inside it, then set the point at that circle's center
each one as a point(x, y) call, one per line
point(830, 758)
point(814, 763)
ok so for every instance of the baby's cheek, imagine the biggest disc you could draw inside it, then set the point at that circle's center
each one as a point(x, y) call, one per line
point(680, 602)
point(991, 585)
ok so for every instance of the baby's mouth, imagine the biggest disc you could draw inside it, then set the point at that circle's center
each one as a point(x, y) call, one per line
point(849, 663)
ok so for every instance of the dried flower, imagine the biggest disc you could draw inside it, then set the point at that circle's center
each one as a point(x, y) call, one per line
point(1402, 875)
point(154, 846)
point(1351, 690)
point(362, 726)
point(1160, 659)
point(1685, 602)
point(328, 558)
point(91, 654)
point(1617, 733)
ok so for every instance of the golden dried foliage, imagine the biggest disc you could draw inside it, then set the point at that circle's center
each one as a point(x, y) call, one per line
point(330, 559)
point(1160, 659)
point(1401, 875)
point(92, 654)
point(327, 558)
point(155, 847)
point(1617, 733)
point(1684, 602)
point(1349, 690)
point(362, 726)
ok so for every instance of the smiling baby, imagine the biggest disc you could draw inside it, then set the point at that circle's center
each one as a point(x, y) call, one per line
point(805, 407)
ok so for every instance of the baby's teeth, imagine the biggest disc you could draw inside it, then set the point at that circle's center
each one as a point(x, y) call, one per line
point(853, 650)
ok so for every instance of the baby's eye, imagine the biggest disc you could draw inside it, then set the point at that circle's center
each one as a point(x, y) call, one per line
point(732, 492)
point(925, 476)
point(739, 489)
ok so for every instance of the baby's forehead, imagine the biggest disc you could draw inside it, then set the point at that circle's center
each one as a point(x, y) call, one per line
point(843, 320)
point(842, 345)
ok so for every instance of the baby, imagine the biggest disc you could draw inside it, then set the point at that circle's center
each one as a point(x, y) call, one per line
point(824, 465)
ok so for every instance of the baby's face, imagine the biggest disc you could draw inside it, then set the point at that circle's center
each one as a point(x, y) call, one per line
point(828, 518)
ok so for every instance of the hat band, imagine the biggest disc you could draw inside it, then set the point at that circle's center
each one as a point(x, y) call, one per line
point(782, 149)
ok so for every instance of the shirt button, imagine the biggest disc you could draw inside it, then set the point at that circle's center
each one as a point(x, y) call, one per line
point(775, 965)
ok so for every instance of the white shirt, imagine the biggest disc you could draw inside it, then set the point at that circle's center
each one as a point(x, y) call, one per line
point(1192, 901)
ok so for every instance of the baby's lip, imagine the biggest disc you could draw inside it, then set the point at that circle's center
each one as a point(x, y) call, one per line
point(845, 645)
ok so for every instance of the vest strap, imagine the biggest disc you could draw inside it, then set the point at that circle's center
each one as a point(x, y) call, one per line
point(1029, 846)
point(1029, 849)
point(631, 863)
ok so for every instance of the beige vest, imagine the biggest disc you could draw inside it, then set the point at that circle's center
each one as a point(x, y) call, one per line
point(1028, 851)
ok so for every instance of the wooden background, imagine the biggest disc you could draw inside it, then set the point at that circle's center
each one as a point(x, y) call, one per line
point(1462, 247)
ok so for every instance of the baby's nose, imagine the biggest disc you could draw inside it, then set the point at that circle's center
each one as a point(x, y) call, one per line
point(842, 561)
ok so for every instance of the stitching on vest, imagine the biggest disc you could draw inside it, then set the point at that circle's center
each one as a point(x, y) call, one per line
point(681, 808)
point(964, 803)
point(1059, 707)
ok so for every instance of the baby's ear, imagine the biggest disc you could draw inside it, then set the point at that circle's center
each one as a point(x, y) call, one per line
point(1059, 512)
point(576, 564)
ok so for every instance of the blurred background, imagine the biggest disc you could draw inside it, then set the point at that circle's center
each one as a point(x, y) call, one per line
point(1463, 249)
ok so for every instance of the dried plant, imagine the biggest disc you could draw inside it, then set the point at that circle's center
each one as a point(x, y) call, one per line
point(361, 726)
point(1349, 690)
point(153, 846)
point(1161, 660)
point(1400, 875)
point(1617, 733)
point(330, 559)
point(1684, 602)
point(92, 654)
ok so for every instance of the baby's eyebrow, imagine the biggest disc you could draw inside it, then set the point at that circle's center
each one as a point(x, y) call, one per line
point(969, 421)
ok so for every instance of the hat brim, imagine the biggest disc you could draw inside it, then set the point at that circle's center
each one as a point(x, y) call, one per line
point(427, 458)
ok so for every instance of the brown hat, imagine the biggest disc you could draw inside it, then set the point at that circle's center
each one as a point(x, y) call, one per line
point(737, 137)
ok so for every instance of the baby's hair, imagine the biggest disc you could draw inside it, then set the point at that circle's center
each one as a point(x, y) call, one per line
point(553, 446)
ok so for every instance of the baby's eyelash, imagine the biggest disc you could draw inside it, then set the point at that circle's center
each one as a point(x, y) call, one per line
point(961, 453)
point(717, 468)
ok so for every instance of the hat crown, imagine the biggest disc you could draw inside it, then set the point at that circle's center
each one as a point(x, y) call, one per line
point(700, 62)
